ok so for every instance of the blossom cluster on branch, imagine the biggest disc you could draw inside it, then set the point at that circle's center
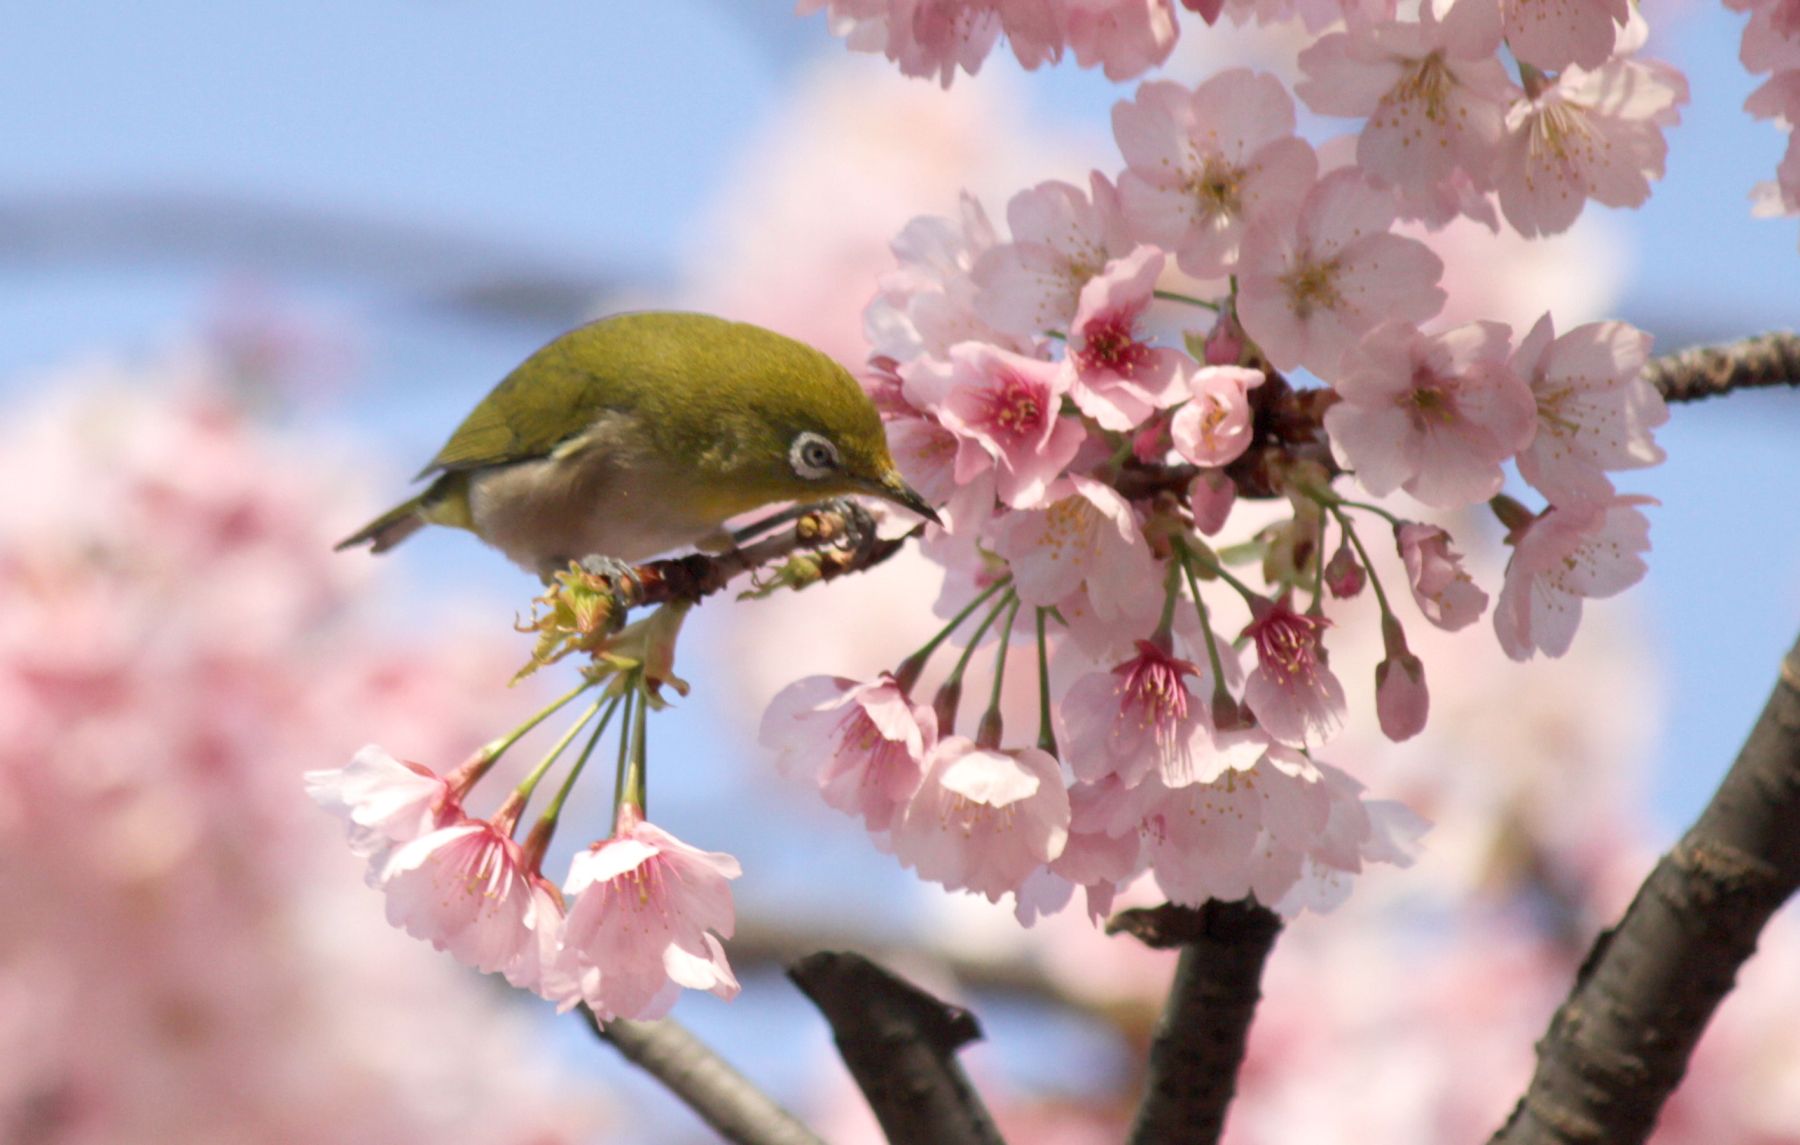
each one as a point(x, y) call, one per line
point(1095, 447)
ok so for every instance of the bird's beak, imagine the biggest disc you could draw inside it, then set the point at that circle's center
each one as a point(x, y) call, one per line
point(894, 488)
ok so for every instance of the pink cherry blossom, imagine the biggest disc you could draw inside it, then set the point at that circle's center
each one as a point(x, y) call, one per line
point(1594, 410)
point(926, 304)
point(1553, 34)
point(1125, 37)
point(1445, 593)
point(1586, 549)
point(1101, 855)
point(1210, 497)
point(1144, 717)
point(1311, 285)
point(1587, 135)
point(1432, 414)
point(465, 889)
point(1061, 238)
point(383, 800)
point(1434, 94)
point(1296, 698)
point(1004, 409)
point(1089, 542)
point(1204, 163)
point(864, 741)
point(1214, 427)
point(1116, 378)
point(1401, 699)
point(984, 819)
point(648, 910)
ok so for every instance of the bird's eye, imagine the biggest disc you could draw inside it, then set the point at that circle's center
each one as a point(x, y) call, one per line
point(813, 456)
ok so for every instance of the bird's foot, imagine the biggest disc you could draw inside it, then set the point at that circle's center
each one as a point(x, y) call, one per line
point(623, 577)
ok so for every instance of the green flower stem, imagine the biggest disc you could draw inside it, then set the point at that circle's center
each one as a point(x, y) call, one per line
point(908, 672)
point(637, 767)
point(1046, 732)
point(1172, 296)
point(1165, 626)
point(1182, 555)
point(1190, 557)
point(962, 662)
point(537, 841)
point(988, 734)
point(466, 776)
point(554, 811)
point(1381, 599)
point(632, 701)
point(531, 781)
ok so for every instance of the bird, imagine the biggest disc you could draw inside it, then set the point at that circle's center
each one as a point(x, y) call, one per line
point(642, 433)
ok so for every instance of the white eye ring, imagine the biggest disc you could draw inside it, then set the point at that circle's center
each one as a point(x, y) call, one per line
point(813, 456)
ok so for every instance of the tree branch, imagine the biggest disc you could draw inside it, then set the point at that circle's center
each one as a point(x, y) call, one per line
point(705, 1082)
point(1205, 1027)
point(900, 1045)
point(1713, 371)
point(1618, 1046)
point(839, 538)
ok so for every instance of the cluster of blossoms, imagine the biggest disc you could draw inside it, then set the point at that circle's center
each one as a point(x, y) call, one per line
point(1087, 466)
point(639, 915)
point(1772, 44)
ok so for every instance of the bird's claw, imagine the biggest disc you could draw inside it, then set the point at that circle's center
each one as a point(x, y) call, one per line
point(624, 579)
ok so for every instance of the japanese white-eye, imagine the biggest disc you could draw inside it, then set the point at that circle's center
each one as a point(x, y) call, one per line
point(642, 433)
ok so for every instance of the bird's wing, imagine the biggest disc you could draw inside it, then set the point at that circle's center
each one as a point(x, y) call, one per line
point(548, 400)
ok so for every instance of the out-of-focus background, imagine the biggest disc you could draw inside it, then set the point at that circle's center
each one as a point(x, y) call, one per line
point(256, 261)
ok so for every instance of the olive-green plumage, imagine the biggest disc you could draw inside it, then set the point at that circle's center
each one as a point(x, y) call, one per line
point(644, 432)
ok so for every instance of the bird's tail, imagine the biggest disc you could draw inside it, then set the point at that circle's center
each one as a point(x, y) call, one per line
point(444, 503)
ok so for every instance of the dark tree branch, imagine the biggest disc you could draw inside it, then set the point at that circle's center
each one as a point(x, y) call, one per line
point(705, 1082)
point(1201, 1038)
point(1712, 371)
point(900, 1045)
point(1620, 1043)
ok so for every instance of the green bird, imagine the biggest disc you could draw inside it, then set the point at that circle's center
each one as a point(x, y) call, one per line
point(642, 433)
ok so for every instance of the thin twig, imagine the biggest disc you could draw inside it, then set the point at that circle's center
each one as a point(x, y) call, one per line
point(1205, 1027)
point(705, 1082)
point(1712, 371)
point(840, 535)
point(900, 1045)
point(1618, 1046)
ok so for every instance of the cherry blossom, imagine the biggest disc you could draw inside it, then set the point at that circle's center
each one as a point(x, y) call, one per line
point(1401, 699)
point(1432, 414)
point(1585, 549)
point(1204, 163)
point(1444, 591)
point(1144, 717)
point(1061, 238)
point(647, 915)
point(1124, 37)
point(383, 800)
point(1594, 410)
point(1587, 135)
point(1213, 428)
point(1087, 541)
point(465, 889)
point(1312, 284)
point(1296, 698)
point(1434, 94)
point(865, 742)
point(927, 303)
point(1003, 409)
point(1554, 34)
point(1118, 379)
point(984, 819)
